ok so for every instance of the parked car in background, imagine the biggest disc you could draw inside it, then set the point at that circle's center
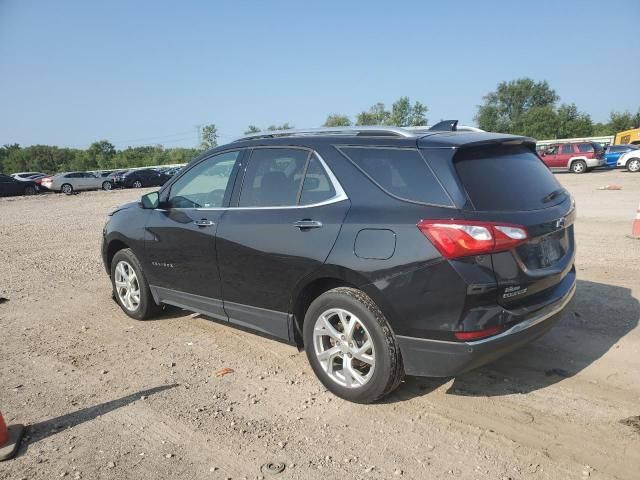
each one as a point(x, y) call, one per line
point(578, 157)
point(144, 177)
point(70, 182)
point(27, 176)
point(10, 186)
point(630, 161)
point(107, 178)
point(379, 250)
point(613, 152)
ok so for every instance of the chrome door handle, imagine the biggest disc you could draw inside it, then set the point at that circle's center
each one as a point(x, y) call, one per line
point(204, 223)
point(306, 224)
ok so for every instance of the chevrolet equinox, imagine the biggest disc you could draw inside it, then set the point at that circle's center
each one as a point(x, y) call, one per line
point(380, 251)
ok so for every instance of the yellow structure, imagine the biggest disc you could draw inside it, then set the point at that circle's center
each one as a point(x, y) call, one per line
point(628, 136)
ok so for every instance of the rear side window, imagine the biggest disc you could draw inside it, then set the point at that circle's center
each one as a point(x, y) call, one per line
point(317, 186)
point(507, 177)
point(567, 148)
point(403, 173)
point(585, 147)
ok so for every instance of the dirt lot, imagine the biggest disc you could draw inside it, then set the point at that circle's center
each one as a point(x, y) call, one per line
point(108, 397)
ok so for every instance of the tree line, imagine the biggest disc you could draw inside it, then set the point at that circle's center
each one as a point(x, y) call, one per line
point(521, 107)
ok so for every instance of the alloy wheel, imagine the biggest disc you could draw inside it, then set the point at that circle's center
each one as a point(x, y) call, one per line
point(137, 184)
point(344, 348)
point(127, 286)
point(634, 165)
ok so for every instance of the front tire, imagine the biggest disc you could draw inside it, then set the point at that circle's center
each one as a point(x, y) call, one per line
point(106, 186)
point(30, 190)
point(130, 287)
point(67, 189)
point(351, 347)
point(579, 166)
point(137, 184)
point(633, 165)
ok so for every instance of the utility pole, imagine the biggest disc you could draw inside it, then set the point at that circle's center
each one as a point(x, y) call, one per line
point(199, 130)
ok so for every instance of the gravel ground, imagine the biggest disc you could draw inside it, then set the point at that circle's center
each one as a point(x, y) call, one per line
point(107, 397)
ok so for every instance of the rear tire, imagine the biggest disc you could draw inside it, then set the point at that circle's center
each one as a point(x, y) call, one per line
point(67, 189)
point(633, 165)
point(579, 166)
point(137, 184)
point(106, 186)
point(30, 190)
point(351, 347)
point(130, 287)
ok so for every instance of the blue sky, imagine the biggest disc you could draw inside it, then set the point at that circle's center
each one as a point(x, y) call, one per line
point(147, 72)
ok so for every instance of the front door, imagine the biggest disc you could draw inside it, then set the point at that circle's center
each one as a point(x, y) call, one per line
point(180, 251)
point(288, 215)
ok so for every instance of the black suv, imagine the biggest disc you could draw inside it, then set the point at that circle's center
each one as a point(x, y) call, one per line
point(380, 251)
point(146, 177)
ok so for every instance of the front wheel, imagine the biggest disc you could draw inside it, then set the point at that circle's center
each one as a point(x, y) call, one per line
point(30, 190)
point(633, 165)
point(137, 184)
point(579, 166)
point(351, 347)
point(106, 186)
point(130, 287)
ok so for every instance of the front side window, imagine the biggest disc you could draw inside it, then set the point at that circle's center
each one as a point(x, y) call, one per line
point(204, 186)
point(403, 173)
point(273, 177)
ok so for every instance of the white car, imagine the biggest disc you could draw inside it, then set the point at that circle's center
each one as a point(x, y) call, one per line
point(70, 182)
point(630, 161)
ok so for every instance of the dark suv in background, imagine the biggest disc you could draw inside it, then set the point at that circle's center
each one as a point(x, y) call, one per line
point(380, 251)
point(144, 177)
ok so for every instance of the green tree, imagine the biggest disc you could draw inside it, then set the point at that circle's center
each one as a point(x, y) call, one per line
point(418, 115)
point(100, 154)
point(502, 109)
point(251, 129)
point(337, 120)
point(209, 137)
point(540, 123)
point(572, 123)
point(621, 121)
point(284, 126)
point(376, 115)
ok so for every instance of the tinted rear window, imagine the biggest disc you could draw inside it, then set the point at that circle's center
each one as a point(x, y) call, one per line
point(507, 178)
point(401, 172)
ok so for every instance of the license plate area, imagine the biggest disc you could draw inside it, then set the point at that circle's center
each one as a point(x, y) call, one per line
point(546, 251)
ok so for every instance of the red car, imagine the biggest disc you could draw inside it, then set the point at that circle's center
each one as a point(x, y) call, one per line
point(578, 157)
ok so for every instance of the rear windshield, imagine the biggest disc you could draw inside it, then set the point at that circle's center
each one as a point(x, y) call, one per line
point(507, 177)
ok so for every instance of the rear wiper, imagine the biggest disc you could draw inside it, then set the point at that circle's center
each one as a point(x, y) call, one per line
point(553, 195)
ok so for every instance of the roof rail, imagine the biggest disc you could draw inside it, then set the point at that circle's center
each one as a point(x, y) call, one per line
point(362, 130)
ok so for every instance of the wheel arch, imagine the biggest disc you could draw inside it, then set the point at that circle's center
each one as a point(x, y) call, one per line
point(574, 159)
point(328, 278)
point(113, 247)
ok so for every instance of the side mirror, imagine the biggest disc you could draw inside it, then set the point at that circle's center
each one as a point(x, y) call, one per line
point(150, 200)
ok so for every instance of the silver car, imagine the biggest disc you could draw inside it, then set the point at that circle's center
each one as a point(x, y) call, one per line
point(70, 182)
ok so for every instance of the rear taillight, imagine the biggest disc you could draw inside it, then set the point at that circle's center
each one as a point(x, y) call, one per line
point(477, 334)
point(461, 238)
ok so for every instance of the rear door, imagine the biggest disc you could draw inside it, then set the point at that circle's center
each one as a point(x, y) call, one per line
point(566, 151)
point(509, 184)
point(288, 212)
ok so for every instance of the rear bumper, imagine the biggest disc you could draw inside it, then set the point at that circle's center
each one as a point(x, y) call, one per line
point(595, 162)
point(438, 358)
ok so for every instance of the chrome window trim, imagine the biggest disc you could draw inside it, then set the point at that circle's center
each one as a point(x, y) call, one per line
point(338, 197)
